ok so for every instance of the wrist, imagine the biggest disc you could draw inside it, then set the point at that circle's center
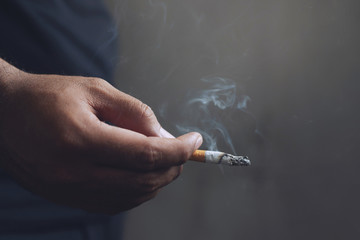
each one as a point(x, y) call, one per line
point(3, 87)
point(7, 73)
point(2, 74)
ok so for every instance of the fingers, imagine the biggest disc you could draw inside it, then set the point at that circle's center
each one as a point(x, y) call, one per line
point(124, 111)
point(122, 148)
point(132, 183)
point(163, 153)
point(118, 190)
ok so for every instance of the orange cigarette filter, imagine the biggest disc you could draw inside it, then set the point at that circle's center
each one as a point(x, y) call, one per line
point(198, 156)
point(219, 158)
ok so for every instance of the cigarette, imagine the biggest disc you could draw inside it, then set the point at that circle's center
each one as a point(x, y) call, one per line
point(219, 158)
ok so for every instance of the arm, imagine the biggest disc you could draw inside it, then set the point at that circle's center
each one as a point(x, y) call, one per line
point(53, 128)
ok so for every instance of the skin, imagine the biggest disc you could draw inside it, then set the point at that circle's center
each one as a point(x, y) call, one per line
point(55, 141)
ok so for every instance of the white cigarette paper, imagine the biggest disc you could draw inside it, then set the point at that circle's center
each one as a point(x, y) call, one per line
point(219, 158)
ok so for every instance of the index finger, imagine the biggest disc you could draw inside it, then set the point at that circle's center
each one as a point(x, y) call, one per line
point(122, 148)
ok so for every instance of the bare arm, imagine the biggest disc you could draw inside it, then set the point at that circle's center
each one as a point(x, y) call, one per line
point(53, 128)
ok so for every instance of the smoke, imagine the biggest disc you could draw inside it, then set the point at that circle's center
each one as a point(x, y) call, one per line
point(161, 5)
point(206, 109)
point(162, 44)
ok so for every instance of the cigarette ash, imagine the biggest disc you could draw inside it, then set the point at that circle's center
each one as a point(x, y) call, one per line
point(235, 160)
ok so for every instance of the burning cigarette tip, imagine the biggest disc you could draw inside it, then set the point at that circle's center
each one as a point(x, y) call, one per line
point(220, 158)
point(236, 160)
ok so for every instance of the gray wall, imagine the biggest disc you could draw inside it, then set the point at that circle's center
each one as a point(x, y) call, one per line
point(298, 61)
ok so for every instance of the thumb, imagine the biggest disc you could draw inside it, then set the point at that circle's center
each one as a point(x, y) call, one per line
point(125, 111)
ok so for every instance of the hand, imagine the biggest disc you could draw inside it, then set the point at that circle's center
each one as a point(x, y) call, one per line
point(55, 131)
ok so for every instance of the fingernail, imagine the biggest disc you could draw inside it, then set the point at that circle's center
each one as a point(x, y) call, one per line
point(165, 134)
point(199, 141)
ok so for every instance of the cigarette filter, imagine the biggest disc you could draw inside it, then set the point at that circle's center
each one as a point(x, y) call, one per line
point(219, 158)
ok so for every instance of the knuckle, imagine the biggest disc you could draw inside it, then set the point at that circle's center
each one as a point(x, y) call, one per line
point(152, 195)
point(173, 174)
point(97, 85)
point(183, 155)
point(181, 169)
point(95, 80)
point(148, 185)
point(146, 112)
point(150, 157)
point(177, 172)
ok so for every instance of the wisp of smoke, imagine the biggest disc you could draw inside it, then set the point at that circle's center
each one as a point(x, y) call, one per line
point(202, 110)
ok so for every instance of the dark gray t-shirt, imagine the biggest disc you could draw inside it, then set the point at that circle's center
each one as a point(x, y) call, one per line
point(69, 37)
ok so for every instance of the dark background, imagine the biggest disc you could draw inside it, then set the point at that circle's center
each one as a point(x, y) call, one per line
point(299, 63)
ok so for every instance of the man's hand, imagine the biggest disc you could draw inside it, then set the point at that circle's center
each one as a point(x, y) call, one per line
point(55, 131)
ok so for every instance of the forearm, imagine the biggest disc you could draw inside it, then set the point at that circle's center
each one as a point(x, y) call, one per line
point(3, 69)
point(7, 71)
